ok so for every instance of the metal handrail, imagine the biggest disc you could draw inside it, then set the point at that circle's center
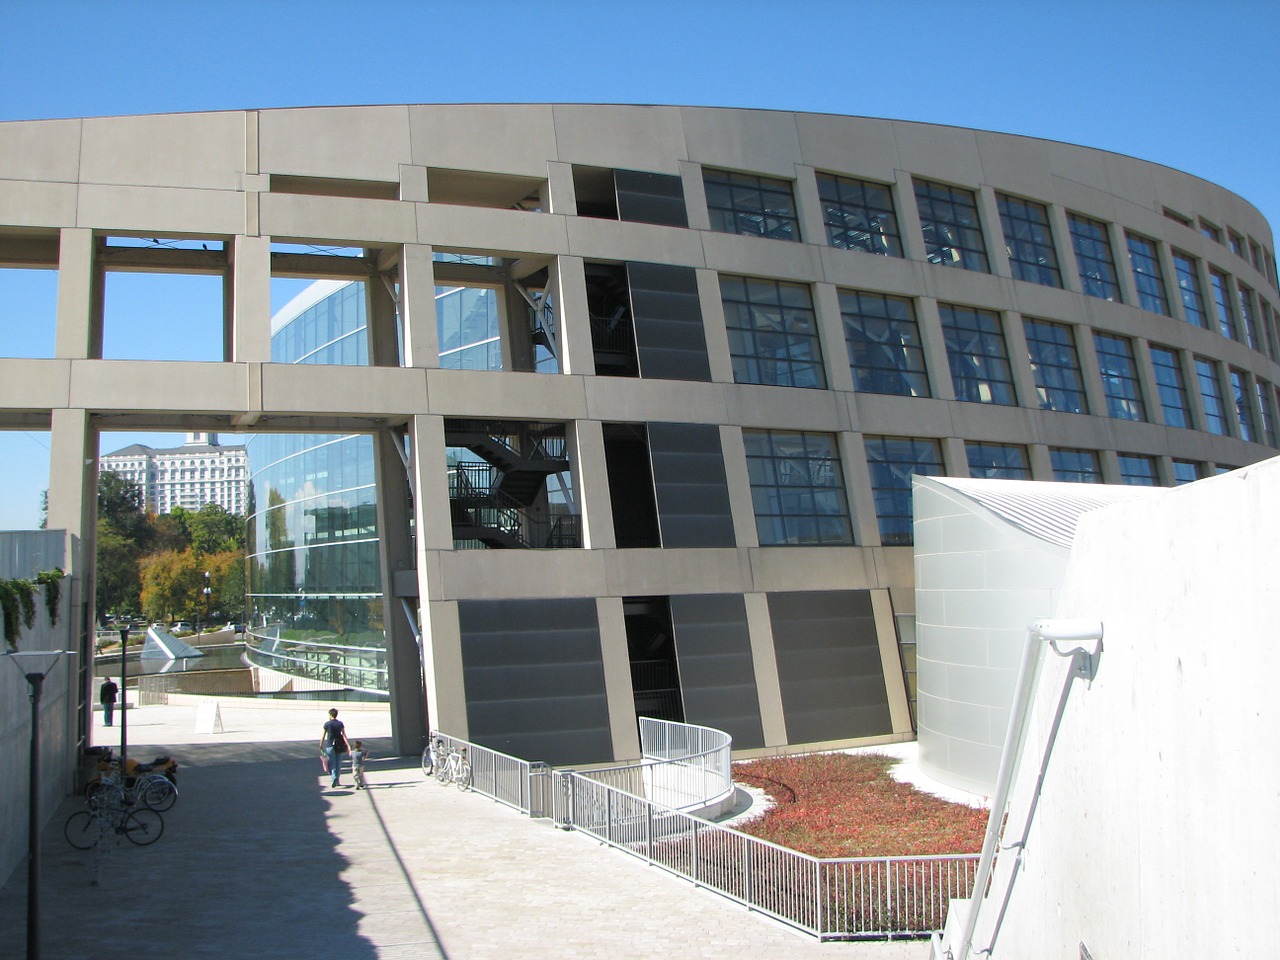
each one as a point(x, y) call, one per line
point(520, 784)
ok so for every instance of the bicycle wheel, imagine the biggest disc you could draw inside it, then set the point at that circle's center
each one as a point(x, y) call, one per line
point(428, 767)
point(157, 792)
point(142, 826)
point(442, 771)
point(103, 793)
point(462, 777)
point(81, 830)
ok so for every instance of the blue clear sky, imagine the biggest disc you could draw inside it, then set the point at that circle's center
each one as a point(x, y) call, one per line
point(1187, 83)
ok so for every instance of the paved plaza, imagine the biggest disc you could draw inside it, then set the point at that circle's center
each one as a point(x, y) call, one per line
point(260, 858)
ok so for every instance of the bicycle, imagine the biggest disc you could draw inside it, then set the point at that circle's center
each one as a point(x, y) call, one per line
point(84, 829)
point(153, 790)
point(434, 756)
point(455, 769)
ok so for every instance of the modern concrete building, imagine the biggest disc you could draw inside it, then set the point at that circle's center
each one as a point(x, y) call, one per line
point(659, 456)
point(200, 471)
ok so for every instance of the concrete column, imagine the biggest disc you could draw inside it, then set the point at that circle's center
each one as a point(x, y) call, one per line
point(933, 342)
point(809, 206)
point(909, 213)
point(738, 481)
point(695, 195)
point(619, 693)
point(404, 665)
point(562, 197)
point(955, 457)
point(891, 662)
point(1024, 380)
point(857, 480)
point(718, 356)
point(384, 337)
point(79, 329)
point(249, 304)
point(1090, 371)
point(442, 651)
point(826, 307)
point(993, 232)
point(574, 333)
point(418, 306)
point(1064, 247)
point(1124, 269)
point(764, 659)
point(591, 485)
point(1041, 462)
point(434, 529)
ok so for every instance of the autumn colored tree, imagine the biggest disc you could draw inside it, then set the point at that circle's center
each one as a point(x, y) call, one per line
point(172, 581)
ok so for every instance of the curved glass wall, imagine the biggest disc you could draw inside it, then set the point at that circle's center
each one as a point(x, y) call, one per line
point(315, 590)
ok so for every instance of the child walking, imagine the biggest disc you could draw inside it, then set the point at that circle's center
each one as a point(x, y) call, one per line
point(358, 756)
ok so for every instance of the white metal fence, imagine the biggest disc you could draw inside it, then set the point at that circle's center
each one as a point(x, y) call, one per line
point(836, 899)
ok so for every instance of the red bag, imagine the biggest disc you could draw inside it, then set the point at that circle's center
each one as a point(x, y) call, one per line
point(324, 762)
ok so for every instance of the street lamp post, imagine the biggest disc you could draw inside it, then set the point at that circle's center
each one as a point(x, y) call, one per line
point(35, 678)
point(124, 701)
point(206, 593)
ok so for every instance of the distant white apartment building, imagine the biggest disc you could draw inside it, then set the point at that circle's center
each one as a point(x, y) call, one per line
point(198, 472)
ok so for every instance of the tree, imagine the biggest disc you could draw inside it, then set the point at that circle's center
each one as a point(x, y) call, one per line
point(172, 581)
point(226, 580)
point(120, 505)
point(213, 530)
point(117, 575)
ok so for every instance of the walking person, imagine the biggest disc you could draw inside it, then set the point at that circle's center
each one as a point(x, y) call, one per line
point(333, 744)
point(107, 697)
point(358, 756)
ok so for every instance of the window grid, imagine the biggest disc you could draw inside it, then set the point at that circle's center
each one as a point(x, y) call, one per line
point(1185, 471)
point(1215, 414)
point(1029, 241)
point(1220, 286)
point(797, 488)
point(977, 355)
point(883, 341)
point(1137, 470)
point(1171, 387)
point(1119, 377)
point(1056, 366)
point(892, 461)
point(1266, 415)
point(743, 203)
point(951, 227)
point(1075, 466)
point(859, 215)
point(1189, 289)
point(1092, 246)
point(1147, 276)
point(773, 335)
point(997, 461)
point(1243, 402)
point(1247, 325)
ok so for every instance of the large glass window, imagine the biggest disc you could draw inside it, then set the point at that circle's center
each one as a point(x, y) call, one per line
point(1119, 377)
point(1189, 289)
point(797, 488)
point(892, 462)
point(467, 324)
point(773, 338)
point(952, 229)
point(1092, 245)
point(1221, 288)
point(1248, 327)
point(1137, 470)
point(997, 461)
point(325, 324)
point(1266, 415)
point(1052, 352)
point(1171, 387)
point(977, 355)
point(1147, 276)
point(1075, 466)
point(1215, 411)
point(1029, 241)
point(751, 205)
point(1185, 471)
point(859, 215)
point(1244, 403)
point(884, 344)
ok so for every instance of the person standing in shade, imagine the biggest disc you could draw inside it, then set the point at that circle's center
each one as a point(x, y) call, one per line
point(333, 743)
point(107, 697)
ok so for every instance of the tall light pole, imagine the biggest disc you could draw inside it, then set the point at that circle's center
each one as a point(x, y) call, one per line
point(124, 702)
point(35, 666)
point(206, 593)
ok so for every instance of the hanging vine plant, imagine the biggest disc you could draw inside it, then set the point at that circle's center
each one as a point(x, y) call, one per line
point(18, 602)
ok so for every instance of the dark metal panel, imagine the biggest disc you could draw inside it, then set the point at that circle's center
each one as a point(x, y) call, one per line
point(667, 319)
point(829, 667)
point(689, 479)
point(717, 672)
point(534, 679)
point(650, 198)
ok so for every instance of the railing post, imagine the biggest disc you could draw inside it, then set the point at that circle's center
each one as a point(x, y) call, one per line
point(608, 814)
point(820, 899)
point(648, 831)
point(746, 871)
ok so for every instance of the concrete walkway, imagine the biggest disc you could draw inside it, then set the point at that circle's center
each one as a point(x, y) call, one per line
point(261, 859)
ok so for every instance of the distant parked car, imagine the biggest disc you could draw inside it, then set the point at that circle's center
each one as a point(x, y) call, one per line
point(182, 626)
point(240, 628)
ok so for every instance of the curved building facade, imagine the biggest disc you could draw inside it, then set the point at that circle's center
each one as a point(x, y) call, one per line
point(660, 462)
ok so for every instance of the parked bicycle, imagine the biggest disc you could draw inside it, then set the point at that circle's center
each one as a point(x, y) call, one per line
point(151, 784)
point(434, 756)
point(109, 815)
point(455, 768)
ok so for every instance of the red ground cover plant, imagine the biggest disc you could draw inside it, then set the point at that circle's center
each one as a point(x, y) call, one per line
point(847, 805)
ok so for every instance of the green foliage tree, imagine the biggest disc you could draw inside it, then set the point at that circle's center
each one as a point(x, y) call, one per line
point(120, 506)
point(118, 583)
point(172, 581)
point(226, 580)
point(213, 530)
